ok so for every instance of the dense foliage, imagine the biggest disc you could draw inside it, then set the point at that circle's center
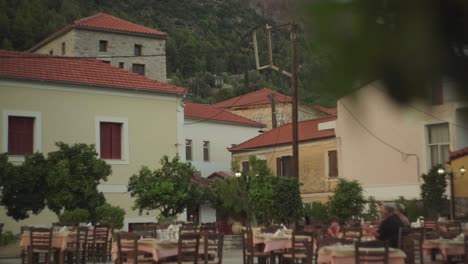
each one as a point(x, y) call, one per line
point(258, 195)
point(168, 190)
point(110, 215)
point(74, 217)
point(413, 208)
point(24, 187)
point(316, 212)
point(74, 173)
point(67, 179)
point(433, 192)
point(347, 201)
point(372, 210)
point(207, 38)
point(408, 45)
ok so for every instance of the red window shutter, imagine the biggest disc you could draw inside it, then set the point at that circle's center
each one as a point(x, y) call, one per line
point(279, 168)
point(111, 140)
point(20, 135)
point(106, 131)
point(332, 164)
point(116, 148)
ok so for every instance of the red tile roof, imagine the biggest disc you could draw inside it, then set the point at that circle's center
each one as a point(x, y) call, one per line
point(208, 112)
point(259, 97)
point(102, 21)
point(330, 111)
point(308, 130)
point(220, 175)
point(28, 66)
point(458, 154)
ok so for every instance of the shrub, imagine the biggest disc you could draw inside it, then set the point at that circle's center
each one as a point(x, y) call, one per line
point(348, 200)
point(433, 192)
point(110, 215)
point(74, 217)
point(316, 211)
point(7, 238)
point(414, 208)
point(372, 212)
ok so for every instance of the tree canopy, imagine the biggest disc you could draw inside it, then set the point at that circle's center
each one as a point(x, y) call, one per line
point(168, 190)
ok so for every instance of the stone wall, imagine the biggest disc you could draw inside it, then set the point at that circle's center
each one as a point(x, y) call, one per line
point(55, 46)
point(87, 44)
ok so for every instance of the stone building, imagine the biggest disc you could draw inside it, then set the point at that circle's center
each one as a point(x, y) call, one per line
point(112, 40)
point(258, 106)
point(319, 158)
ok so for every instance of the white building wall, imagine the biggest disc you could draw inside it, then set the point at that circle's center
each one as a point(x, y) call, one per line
point(221, 136)
point(368, 121)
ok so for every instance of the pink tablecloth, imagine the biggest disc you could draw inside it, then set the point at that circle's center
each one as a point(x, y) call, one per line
point(445, 246)
point(59, 240)
point(272, 244)
point(345, 255)
point(158, 249)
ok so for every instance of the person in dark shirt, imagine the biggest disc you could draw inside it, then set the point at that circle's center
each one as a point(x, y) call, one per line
point(389, 226)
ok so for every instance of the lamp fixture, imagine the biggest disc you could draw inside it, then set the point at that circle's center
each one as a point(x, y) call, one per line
point(441, 171)
point(462, 170)
point(238, 174)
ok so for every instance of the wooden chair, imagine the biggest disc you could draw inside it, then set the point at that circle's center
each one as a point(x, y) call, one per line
point(100, 242)
point(24, 251)
point(309, 253)
point(352, 232)
point(298, 251)
point(188, 229)
point(365, 252)
point(249, 253)
point(188, 249)
point(127, 249)
point(208, 227)
point(212, 248)
point(40, 249)
point(76, 251)
point(466, 249)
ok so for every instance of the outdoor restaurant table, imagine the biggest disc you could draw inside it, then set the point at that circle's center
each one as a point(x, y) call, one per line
point(345, 255)
point(447, 247)
point(271, 242)
point(159, 249)
point(59, 241)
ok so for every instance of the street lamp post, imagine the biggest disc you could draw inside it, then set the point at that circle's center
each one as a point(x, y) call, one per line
point(451, 177)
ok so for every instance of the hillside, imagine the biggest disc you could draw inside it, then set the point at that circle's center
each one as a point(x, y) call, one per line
point(207, 38)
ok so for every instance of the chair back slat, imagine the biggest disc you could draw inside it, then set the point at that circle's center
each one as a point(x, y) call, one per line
point(188, 248)
point(298, 239)
point(127, 247)
point(213, 247)
point(352, 232)
point(41, 238)
point(371, 252)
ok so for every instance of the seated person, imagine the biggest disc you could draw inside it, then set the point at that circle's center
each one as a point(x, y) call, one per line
point(389, 227)
point(333, 229)
point(399, 211)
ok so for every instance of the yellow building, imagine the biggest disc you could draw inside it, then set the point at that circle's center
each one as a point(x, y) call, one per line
point(318, 155)
point(459, 164)
point(258, 106)
point(75, 101)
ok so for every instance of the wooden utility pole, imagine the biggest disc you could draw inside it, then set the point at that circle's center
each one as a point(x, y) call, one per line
point(293, 76)
point(295, 130)
point(274, 122)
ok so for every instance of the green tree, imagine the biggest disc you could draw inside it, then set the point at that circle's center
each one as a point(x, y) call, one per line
point(433, 192)
point(315, 211)
point(110, 215)
point(74, 217)
point(24, 187)
point(372, 212)
point(347, 201)
point(74, 172)
point(230, 197)
point(169, 189)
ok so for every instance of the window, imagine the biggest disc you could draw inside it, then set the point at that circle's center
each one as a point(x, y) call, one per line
point(438, 143)
point(332, 164)
point(121, 65)
point(63, 48)
point(111, 140)
point(245, 167)
point(206, 150)
point(283, 166)
point(139, 69)
point(137, 50)
point(20, 135)
point(51, 52)
point(188, 149)
point(103, 45)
